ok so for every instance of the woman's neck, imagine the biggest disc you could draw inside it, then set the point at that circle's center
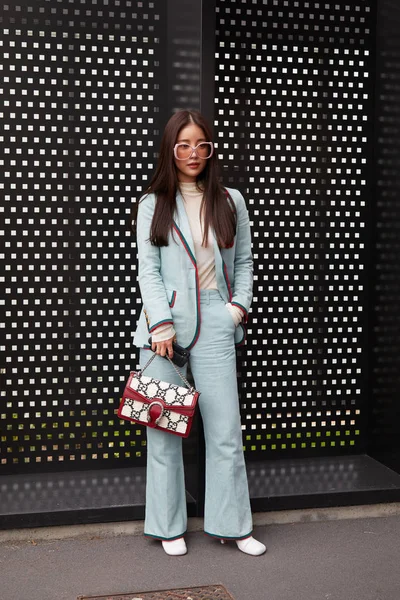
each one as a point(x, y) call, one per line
point(190, 190)
point(191, 185)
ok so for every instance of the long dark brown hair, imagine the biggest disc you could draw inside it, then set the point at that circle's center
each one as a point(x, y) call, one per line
point(217, 207)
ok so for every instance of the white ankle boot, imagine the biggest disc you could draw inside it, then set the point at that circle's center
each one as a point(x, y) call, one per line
point(174, 547)
point(250, 546)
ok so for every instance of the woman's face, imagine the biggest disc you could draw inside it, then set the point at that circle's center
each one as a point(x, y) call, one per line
point(190, 168)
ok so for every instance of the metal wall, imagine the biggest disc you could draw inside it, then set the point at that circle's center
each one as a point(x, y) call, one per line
point(293, 116)
point(384, 347)
point(86, 92)
point(82, 99)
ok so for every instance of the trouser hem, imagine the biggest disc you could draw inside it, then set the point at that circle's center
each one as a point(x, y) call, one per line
point(166, 539)
point(229, 537)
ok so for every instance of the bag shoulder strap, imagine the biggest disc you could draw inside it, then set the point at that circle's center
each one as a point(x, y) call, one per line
point(185, 381)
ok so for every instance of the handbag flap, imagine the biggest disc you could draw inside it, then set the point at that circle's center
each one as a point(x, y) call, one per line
point(174, 397)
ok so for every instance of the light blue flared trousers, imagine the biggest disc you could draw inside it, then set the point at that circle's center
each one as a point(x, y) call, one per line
point(227, 512)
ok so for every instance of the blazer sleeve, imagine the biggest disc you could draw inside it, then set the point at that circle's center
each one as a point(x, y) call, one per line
point(152, 289)
point(243, 262)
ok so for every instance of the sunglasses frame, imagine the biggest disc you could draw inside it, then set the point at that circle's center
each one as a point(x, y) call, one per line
point(194, 150)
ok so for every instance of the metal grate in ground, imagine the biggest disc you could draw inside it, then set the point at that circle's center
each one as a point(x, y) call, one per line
point(208, 592)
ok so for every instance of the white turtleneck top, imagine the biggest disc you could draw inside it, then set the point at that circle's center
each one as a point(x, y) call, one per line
point(192, 197)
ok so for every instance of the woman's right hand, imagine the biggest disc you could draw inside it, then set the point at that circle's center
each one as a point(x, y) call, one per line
point(162, 348)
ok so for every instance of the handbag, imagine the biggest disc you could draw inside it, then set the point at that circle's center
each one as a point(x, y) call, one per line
point(159, 404)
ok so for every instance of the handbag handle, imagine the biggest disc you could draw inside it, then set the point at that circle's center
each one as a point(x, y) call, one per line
point(185, 381)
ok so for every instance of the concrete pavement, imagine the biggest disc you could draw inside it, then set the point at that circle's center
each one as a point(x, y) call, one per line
point(351, 559)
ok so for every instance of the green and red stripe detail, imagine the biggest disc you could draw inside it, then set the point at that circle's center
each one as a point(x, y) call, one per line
point(243, 340)
point(246, 314)
point(173, 298)
point(228, 537)
point(185, 244)
point(164, 322)
point(193, 259)
point(228, 284)
point(158, 537)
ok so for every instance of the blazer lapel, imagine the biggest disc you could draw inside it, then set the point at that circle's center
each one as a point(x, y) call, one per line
point(183, 228)
point(221, 273)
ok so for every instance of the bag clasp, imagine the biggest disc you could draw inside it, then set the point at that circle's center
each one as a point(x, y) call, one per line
point(155, 403)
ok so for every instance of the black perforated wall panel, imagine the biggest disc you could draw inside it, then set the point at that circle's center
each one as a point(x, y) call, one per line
point(80, 106)
point(384, 430)
point(85, 91)
point(293, 116)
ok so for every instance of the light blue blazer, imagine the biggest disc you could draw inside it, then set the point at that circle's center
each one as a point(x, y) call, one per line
point(168, 277)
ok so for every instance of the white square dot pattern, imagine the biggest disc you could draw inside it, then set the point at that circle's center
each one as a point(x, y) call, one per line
point(292, 110)
point(79, 117)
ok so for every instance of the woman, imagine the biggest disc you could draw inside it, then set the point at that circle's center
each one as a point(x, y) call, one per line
point(196, 278)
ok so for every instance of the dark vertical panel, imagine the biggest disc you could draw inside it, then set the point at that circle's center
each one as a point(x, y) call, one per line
point(184, 47)
point(208, 41)
point(384, 422)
